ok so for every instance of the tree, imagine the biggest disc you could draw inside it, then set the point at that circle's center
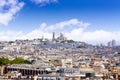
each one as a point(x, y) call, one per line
point(27, 62)
point(70, 41)
point(17, 61)
point(4, 61)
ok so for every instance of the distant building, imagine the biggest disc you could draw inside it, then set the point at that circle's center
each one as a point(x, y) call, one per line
point(111, 43)
point(53, 37)
point(61, 37)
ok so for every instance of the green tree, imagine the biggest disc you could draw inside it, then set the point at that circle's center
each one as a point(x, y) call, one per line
point(27, 62)
point(70, 41)
point(4, 61)
point(17, 61)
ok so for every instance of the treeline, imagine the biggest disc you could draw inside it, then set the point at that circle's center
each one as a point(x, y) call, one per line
point(17, 60)
point(68, 41)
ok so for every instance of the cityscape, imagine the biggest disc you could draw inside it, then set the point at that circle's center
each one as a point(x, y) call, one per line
point(59, 59)
point(59, 40)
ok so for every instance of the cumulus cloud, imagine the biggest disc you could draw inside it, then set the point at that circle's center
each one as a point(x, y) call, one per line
point(8, 10)
point(10, 35)
point(98, 36)
point(77, 32)
point(44, 2)
point(72, 23)
point(46, 30)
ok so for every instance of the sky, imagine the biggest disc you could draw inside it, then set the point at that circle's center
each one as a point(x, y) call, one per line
point(91, 21)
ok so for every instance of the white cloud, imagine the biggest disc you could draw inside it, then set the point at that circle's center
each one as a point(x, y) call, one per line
point(9, 35)
point(6, 15)
point(46, 30)
point(37, 33)
point(62, 25)
point(98, 36)
point(77, 32)
point(44, 2)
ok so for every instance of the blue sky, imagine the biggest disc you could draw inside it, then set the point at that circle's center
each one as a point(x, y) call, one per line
point(92, 21)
